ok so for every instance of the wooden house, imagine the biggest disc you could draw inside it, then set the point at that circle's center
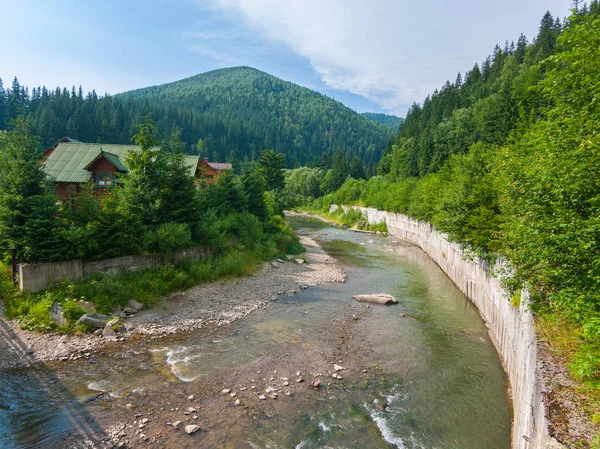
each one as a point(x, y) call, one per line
point(72, 165)
point(210, 171)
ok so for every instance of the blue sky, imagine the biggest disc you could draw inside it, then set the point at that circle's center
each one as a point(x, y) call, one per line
point(373, 55)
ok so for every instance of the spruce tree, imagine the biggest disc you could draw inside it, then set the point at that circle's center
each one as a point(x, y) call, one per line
point(2, 107)
point(28, 213)
point(272, 165)
point(357, 170)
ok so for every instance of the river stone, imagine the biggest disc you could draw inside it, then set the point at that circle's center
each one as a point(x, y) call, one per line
point(135, 305)
point(109, 332)
point(192, 429)
point(56, 313)
point(94, 319)
point(377, 298)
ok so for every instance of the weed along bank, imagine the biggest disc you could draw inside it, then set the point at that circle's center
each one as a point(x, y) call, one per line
point(37, 277)
point(511, 329)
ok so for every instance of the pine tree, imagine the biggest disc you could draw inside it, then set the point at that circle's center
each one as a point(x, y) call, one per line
point(357, 170)
point(255, 188)
point(27, 206)
point(2, 107)
point(272, 165)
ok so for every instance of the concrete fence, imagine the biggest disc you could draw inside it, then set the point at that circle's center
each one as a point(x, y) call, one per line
point(511, 329)
point(38, 276)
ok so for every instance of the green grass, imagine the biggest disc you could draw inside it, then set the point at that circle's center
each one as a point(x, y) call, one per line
point(148, 286)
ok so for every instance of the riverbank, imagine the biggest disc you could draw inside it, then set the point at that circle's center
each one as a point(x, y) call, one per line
point(212, 304)
point(551, 409)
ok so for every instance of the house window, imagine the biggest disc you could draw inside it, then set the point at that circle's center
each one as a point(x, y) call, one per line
point(105, 180)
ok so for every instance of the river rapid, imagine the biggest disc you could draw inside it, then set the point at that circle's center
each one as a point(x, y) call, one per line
point(420, 374)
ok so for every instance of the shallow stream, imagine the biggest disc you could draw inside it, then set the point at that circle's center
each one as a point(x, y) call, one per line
point(444, 386)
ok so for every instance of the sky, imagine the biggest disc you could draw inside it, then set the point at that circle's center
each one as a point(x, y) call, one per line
point(372, 55)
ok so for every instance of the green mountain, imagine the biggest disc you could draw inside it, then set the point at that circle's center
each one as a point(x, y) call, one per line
point(260, 111)
point(392, 121)
point(226, 115)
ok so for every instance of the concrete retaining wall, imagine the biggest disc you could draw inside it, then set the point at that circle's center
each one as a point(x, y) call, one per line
point(37, 277)
point(511, 329)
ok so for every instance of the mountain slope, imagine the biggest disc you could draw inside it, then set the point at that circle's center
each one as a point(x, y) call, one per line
point(392, 121)
point(259, 111)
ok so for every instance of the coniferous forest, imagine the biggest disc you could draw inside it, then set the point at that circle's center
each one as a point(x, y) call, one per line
point(229, 114)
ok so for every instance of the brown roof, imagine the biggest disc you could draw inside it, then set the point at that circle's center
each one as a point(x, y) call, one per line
point(216, 165)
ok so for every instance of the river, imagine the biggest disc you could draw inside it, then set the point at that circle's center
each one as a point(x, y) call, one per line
point(420, 374)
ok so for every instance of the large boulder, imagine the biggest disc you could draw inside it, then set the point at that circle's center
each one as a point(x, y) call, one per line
point(95, 320)
point(377, 298)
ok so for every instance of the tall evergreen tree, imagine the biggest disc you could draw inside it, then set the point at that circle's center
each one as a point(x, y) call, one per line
point(27, 208)
point(272, 165)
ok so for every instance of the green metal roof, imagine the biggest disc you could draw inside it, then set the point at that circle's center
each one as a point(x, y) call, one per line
point(115, 160)
point(68, 160)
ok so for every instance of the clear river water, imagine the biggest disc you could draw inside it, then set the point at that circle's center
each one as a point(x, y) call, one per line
point(444, 388)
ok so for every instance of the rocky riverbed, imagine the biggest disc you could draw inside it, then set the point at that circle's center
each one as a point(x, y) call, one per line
point(213, 304)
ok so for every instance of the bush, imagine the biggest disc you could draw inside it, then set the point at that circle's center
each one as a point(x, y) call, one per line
point(170, 237)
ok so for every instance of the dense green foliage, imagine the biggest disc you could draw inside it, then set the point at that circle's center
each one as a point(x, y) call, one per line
point(225, 115)
point(27, 207)
point(506, 162)
point(158, 209)
point(385, 119)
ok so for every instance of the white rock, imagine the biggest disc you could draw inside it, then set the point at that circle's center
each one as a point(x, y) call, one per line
point(176, 424)
point(378, 298)
point(226, 391)
point(338, 367)
point(192, 429)
point(237, 402)
point(190, 397)
point(262, 397)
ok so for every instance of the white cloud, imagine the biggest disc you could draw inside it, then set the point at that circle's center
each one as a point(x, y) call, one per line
point(392, 52)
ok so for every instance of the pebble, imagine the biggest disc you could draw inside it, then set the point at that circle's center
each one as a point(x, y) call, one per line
point(190, 397)
point(176, 424)
point(226, 391)
point(192, 429)
point(338, 367)
point(300, 380)
point(237, 402)
point(262, 397)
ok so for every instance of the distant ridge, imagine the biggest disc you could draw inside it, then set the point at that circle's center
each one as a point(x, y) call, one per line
point(392, 121)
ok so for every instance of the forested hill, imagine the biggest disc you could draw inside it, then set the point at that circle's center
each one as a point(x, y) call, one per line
point(259, 111)
point(392, 121)
point(226, 115)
